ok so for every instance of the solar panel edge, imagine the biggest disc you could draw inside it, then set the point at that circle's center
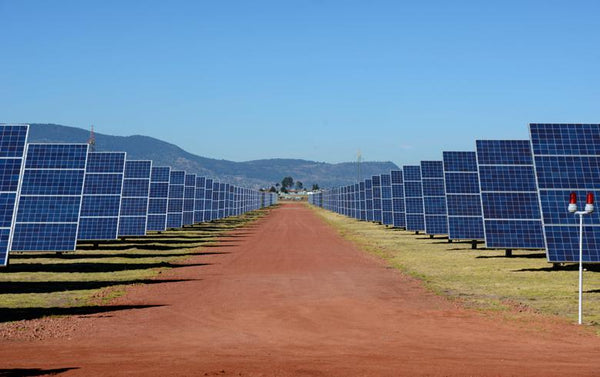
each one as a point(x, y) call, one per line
point(17, 193)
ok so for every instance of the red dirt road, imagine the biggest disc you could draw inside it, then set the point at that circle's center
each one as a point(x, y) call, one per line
point(291, 297)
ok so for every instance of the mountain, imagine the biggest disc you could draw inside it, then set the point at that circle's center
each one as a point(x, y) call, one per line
point(256, 174)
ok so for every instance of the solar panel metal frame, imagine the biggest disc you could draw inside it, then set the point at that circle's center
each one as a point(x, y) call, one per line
point(102, 194)
point(200, 199)
point(434, 197)
point(413, 198)
point(13, 140)
point(511, 212)
point(463, 199)
point(158, 198)
point(574, 151)
point(208, 199)
point(50, 196)
point(133, 216)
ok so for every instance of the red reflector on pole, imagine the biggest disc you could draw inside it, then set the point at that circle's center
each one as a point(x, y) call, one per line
point(590, 198)
point(573, 198)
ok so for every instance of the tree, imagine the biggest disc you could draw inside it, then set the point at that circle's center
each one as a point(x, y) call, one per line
point(299, 185)
point(287, 182)
point(272, 189)
point(315, 187)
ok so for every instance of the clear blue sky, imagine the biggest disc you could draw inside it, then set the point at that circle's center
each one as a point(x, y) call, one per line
point(241, 80)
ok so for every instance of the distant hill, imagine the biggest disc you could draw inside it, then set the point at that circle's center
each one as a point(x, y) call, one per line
point(257, 173)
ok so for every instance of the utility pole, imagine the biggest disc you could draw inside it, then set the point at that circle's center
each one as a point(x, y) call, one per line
point(92, 140)
point(358, 159)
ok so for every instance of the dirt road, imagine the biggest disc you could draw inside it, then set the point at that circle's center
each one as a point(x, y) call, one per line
point(289, 296)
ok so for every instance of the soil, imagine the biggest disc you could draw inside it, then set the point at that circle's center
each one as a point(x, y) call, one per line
point(288, 296)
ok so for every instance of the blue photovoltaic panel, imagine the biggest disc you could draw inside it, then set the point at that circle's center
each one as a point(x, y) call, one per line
point(101, 202)
point(134, 200)
point(434, 197)
point(189, 199)
point(413, 198)
point(215, 201)
point(567, 159)
point(208, 201)
point(509, 198)
point(361, 198)
point(463, 200)
point(12, 149)
point(175, 203)
point(50, 198)
point(399, 212)
point(222, 200)
point(200, 199)
point(376, 182)
point(387, 212)
point(157, 202)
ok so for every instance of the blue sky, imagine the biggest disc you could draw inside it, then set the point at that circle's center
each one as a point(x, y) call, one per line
point(319, 80)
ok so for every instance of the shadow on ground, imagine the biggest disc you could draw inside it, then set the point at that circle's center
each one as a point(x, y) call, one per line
point(18, 314)
point(31, 372)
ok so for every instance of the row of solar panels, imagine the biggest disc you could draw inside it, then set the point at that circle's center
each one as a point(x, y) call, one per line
point(52, 195)
point(510, 193)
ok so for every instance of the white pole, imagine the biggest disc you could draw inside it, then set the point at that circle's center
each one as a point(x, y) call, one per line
point(580, 264)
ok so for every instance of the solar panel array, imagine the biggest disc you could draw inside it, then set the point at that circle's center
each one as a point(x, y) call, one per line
point(511, 213)
point(49, 198)
point(567, 159)
point(510, 193)
point(101, 202)
point(413, 198)
point(463, 200)
point(53, 195)
point(159, 196)
point(387, 211)
point(189, 199)
point(376, 186)
point(175, 202)
point(134, 200)
point(434, 197)
point(398, 209)
point(12, 149)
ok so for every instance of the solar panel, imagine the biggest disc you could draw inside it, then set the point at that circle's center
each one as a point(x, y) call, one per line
point(361, 198)
point(509, 198)
point(398, 209)
point(413, 198)
point(208, 200)
point(12, 148)
point(134, 200)
point(567, 159)
point(463, 200)
point(101, 202)
point(200, 199)
point(369, 199)
point(175, 203)
point(223, 187)
point(376, 181)
point(387, 212)
point(434, 197)
point(159, 194)
point(50, 198)
point(215, 201)
point(189, 199)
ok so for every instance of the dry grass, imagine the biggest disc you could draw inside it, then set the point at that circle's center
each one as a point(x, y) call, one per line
point(482, 278)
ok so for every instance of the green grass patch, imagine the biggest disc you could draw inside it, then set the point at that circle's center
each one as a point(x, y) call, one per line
point(482, 278)
point(95, 274)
